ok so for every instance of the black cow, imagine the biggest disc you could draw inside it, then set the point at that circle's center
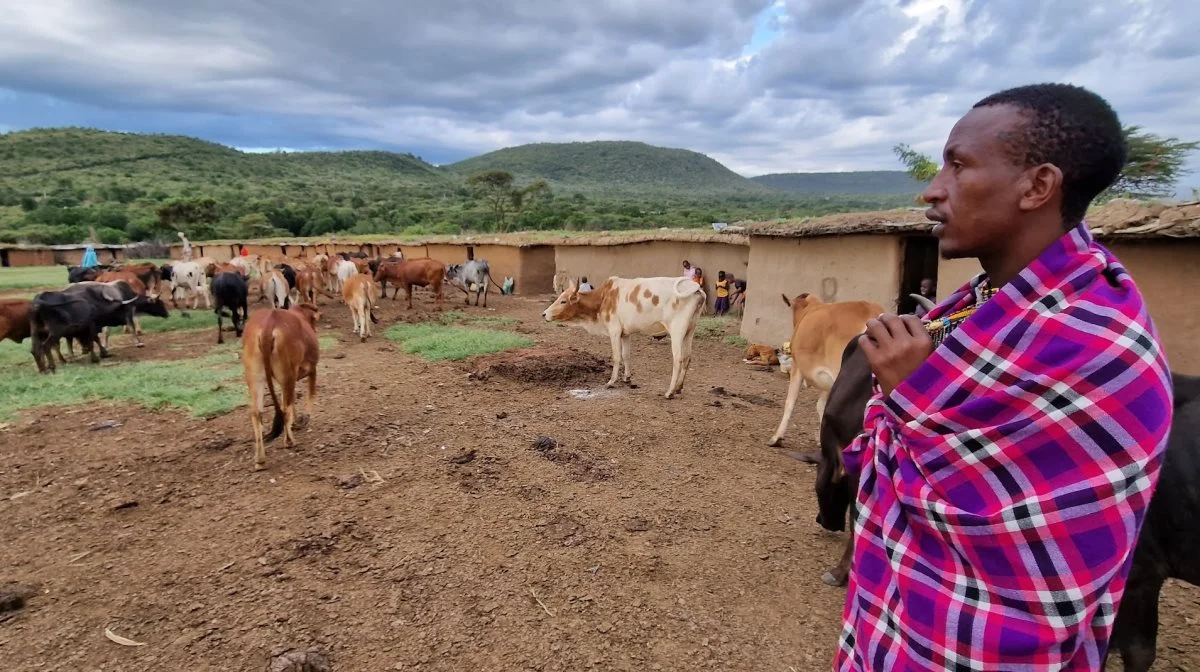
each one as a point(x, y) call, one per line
point(81, 274)
point(81, 311)
point(289, 274)
point(229, 291)
point(841, 422)
point(1168, 546)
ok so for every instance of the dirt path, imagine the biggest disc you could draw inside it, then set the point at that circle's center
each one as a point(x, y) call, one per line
point(416, 526)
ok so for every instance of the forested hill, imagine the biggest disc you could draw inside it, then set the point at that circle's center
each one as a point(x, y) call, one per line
point(857, 182)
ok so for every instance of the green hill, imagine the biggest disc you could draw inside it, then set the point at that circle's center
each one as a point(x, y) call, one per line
point(853, 182)
point(56, 183)
point(613, 167)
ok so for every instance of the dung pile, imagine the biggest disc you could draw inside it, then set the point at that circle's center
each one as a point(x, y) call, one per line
point(546, 366)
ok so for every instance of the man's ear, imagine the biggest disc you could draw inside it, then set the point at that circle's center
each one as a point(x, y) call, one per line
point(1040, 185)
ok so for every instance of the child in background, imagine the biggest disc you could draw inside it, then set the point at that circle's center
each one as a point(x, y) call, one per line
point(722, 285)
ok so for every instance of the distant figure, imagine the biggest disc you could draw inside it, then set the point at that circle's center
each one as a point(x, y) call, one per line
point(698, 276)
point(928, 291)
point(585, 286)
point(89, 258)
point(737, 300)
point(187, 247)
point(244, 252)
point(688, 270)
point(722, 305)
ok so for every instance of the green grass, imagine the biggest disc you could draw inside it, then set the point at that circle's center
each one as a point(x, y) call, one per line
point(437, 342)
point(715, 327)
point(33, 277)
point(734, 339)
point(203, 387)
point(453, 317)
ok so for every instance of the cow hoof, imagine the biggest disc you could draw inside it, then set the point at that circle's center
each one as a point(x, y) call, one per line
point(260, 467)
point(362, 339)
point(775, 442)
point(830, 580)
point(141, 345)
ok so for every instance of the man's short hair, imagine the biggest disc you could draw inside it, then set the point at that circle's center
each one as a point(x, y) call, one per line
point(1072, 128)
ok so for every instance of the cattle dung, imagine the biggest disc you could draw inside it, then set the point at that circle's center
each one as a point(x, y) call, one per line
point(549, 366)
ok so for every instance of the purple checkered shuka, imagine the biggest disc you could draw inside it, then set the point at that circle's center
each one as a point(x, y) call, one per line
point(1003, 483)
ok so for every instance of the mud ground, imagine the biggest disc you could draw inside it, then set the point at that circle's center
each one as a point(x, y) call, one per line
point(438, 516)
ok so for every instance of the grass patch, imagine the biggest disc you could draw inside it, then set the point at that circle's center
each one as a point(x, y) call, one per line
point(438, 342)
point(715, 327)
point(455, 317)
point(203, 387)
point(33, 277)
point(734, 339)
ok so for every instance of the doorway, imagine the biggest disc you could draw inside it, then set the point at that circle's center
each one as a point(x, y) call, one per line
point(4, 259)
point(920, 260)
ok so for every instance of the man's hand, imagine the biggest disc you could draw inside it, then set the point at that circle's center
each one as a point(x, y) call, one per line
point(895, 347)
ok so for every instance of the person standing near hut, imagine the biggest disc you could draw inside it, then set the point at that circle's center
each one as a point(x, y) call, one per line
point(1012, 443)
point(89, 257)
point(722, 285)
point(187, 247)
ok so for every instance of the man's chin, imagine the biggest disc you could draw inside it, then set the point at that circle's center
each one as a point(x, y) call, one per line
point(948, 250)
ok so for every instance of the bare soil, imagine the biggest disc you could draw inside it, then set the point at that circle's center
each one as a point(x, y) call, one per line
point(432, 518)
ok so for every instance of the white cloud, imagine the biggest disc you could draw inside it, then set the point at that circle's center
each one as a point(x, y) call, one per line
point(761, 85)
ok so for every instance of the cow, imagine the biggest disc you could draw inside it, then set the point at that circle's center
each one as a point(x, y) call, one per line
point(820, 332)
point(1168, 545)
point(359, 293)
point(473, 276)
point(81, 274)
point(275, 288)
point(756, 353)
point(135, 283)
point(621, 307)
point(229, 290)
point(344, 269)
point(14, 323)
point(279, 345)
point(81, 311)
point(307, 284)
point(412, 273)
point(289, 274)
point(187, 280)
point(147, 272)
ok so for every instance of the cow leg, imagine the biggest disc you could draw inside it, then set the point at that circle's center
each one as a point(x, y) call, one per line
point(676, 363)
point(615, 339)
point(1135, 633)
point(487, 284)
point(310, 398)
point(686, 364)
point(256, 391)
point(822, 399)
point(626, 341)
point(408, 290)
point(289, 408)
point(841, 572)
point(220, 336)
point(131, 323)
point(793, 391)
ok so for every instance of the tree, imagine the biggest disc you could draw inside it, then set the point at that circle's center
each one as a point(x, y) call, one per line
point(919, 166)
point(177, 213)
point(496, 187)
point(1154, 166)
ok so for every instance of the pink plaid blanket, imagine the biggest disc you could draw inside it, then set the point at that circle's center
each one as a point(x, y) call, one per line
point(1003, 484)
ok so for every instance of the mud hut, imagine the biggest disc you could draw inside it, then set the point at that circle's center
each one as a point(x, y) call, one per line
point(882, 256)
point(50, 255)
point(654, 253)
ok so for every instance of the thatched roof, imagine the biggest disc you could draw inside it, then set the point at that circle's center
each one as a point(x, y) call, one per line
point(1118, 219)
point(518, 239)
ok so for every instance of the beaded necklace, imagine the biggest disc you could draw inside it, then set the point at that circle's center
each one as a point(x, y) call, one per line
point(941, 327)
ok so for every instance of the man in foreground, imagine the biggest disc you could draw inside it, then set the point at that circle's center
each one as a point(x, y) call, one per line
point(1011, 447)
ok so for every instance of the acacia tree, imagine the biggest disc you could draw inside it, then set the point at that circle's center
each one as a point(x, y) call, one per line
point(918, 165)
point(497, 188)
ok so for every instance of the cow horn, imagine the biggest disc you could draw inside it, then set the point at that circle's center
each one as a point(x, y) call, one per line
point(925, 303)
point(126, 303)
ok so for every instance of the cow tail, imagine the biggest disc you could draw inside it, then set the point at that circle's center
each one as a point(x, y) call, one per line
point(266, 346)
point(371, 304)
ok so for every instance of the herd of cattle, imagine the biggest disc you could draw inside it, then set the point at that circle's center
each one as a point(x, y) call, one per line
point(280, 348)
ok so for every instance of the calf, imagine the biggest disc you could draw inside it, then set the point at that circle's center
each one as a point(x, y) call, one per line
point(412, 273)
point(624, 306)
point(279, 345)
point(229, 290)
point(275, 288)
point(1168, 545)
point(820, 332)
point(760, 354)
point(473, 276)
point(359, 293)
point(187, 279)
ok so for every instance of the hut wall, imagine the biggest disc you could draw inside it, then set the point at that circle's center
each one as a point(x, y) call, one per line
point(34, 257)
point(652, 259)
point(537, 270)
point(836, 268)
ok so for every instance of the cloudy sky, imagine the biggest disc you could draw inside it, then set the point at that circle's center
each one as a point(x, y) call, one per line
point(761, 85)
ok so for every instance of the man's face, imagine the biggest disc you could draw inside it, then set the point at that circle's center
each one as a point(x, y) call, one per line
point(975, 197)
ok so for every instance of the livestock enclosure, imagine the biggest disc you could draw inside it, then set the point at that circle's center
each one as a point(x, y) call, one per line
point(467, 494)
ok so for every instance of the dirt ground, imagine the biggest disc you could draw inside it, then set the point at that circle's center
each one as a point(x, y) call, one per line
point(437, 519)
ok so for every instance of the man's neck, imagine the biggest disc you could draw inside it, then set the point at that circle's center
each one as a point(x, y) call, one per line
point(1007, 264)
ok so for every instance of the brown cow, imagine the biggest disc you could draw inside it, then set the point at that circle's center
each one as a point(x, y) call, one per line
point(147, 272)
point(14, 323)
point(359, 293)
point(820, 332)
point(757, 353)
point(414, 272)
point(308, 280)
point(279, 345)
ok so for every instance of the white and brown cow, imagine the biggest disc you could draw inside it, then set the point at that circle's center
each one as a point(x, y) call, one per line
point(622, 307)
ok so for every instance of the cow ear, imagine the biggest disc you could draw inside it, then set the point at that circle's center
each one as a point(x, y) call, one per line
point(786, 300)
